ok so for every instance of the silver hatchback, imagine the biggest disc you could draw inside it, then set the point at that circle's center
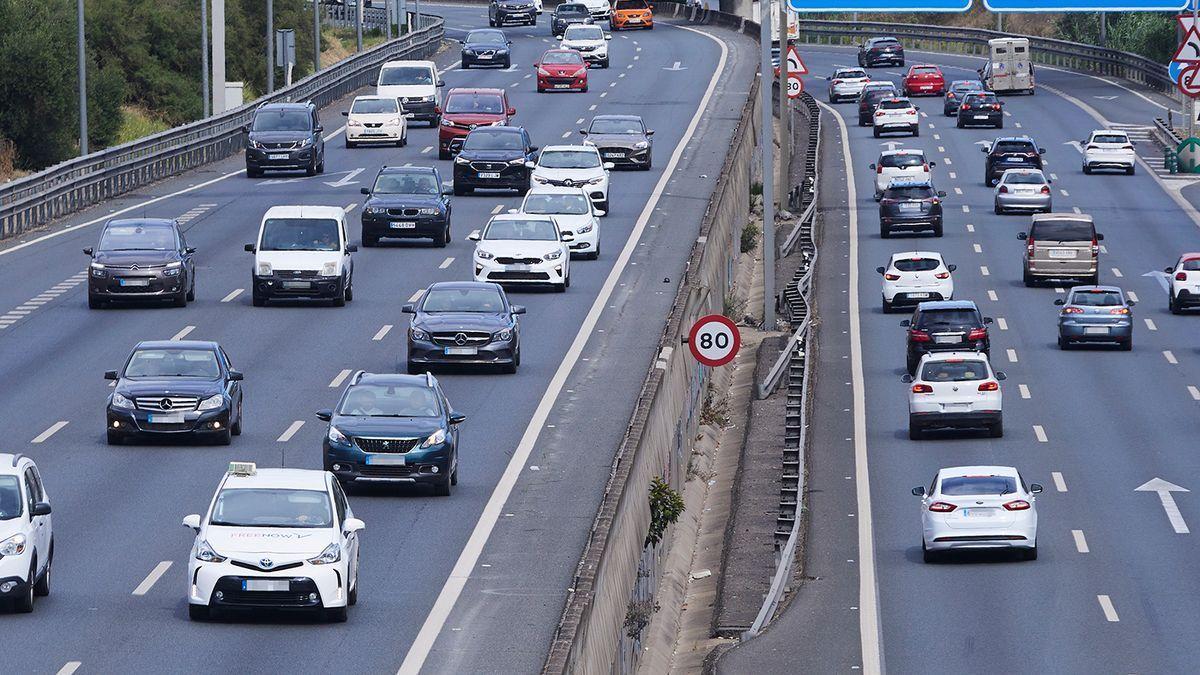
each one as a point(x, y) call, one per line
point(1095, 314)
point(1023, 190)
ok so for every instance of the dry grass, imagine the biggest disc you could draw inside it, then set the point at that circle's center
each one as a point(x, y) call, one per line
point(8, 158)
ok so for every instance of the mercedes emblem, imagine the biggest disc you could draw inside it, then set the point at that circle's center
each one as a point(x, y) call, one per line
point(460, 339)
point(166, 404)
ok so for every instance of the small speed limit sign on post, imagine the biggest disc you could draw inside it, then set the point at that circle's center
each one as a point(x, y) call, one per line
point(795, 86)
point(714, 340)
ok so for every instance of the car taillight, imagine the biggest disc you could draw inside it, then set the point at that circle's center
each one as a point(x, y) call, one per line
point(892, 277)
point(918, 335)
point(879, 113)
point(1072, 310)
point(925, 167)
point(1119, 310)
point(1091, 147)
point(1003, 189)
point(1095, 247)
point(1126, 147)
point(965, 106)
point(1181, 276)
point(989, 386)
point(977, 334)
point(1045, 189)
point(879, 168)
point(1017, 505)
point(837, 81)
point(922, 389)
point(942, 507)
point(1029, 247)
point(995, 106)
point(942, 275)
point(950, 95)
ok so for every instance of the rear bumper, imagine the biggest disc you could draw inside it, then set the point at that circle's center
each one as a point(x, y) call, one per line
point(905, 299)
point(969, 119)
point(1014, 536)
point(1036, 202)
point(955, 420)
point(1070, 269)
point(1114, 332)
point(913, 224)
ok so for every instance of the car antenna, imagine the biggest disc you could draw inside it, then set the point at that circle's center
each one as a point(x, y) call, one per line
point(283, 458)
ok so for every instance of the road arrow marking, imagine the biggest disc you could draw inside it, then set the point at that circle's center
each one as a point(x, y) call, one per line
point(676, 67)
point(1161, 278)
point(345, 180)
point(1106, 98)
point(1164, 490)
point(1075, 144)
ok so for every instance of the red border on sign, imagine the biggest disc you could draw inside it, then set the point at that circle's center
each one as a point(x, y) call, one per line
point(719, 318)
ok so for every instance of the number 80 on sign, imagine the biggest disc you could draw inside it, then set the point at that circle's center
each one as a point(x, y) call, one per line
point(714, 340)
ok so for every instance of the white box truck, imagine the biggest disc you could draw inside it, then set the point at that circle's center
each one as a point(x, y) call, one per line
point(1009, 67)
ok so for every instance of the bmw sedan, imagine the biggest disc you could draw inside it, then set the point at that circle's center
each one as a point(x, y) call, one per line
point(463, 323)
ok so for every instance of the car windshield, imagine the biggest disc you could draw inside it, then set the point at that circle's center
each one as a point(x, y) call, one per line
point(485, 138)
point(477, 104)
point(979, 485)
point(562, 58)
point(632, 4)
point(299, 234)
point(371, 106)
point(584, 33)
point(10, 497)
point(1022, 178)
point(486, 300)
point(566, 204)
point(954, 371)
point(389, 400)
point(279, 507)
point(526, 230)
point(137, 238)
point(909, 192)
point(173, 363)
point(569, 159)
point(901, 161)
point(917, 264)
point(943, 318)
point(1096, 299)
point(1109, 138)
point(573, 10)
point(486, 37)
point(406, 75)
point(1062, 230)
point(406, 184)
point(1014, 146)
point(282, 120)
point(885, 42)
point(615, 126)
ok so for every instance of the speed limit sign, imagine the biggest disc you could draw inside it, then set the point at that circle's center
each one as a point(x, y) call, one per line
point(714, 340)
point(795, 86)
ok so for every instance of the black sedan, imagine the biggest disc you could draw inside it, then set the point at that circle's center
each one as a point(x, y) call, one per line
point(623, 140)
point(955, 93)
point(566, 14)
point(494, 158)
point(486, 47)
point(981, 109)
point(464, 322)
point(406, 202)
point(141, 259)
point(175, 388)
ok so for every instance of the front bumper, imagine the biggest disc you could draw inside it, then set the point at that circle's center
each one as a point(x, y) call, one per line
point(508, 178)
point(954, 420)
point(546, 272)
point(1114, 331)
point(504, 16)
point(626, 156)
point(380, 134)
point(129, 285)
point(554, 83)
point(1034, 202)
point(584, 243)
point(276, 286)
point(632, 22)
point(598, 193)
point(348, 463)
point(265, 160)
point(497, 352)
point(400, 226)
point(486, 58)
point(15, 569)
point(138, 422)
point(221, 585)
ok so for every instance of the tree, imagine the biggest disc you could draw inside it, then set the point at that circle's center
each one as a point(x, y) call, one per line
point(106, 95)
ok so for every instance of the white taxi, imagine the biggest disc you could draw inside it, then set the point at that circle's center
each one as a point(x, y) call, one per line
point(1106, 149)
point(26, 537)
point(576, 215)
point(913, 277)
point(896, 114)
point(376, 119)
point(522, 249)
point(954, 390)
point(900, 165)
point(277, 539)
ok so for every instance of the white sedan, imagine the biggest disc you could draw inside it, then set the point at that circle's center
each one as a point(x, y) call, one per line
point(896, 114)
point(900, 165)
point(517, 248)
point(573, 166)
point(576, 215)
point(978, 507)
point(274, 538)
point(1106, 149)
point(376, 119)
point(913, 277)
point(954, 390)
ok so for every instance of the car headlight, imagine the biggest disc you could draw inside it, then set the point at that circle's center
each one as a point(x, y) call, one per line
point(435, 438)
point(255, 144)
point(337, 436)
point(14, 545)
point(553, 255)
point(483, 255)
point(596, 181)
point(585, 229)
point(461, 160)
point(205, 553)
point(354, 123)
point(212, 402)
point(98, 270)
point(543, 72)
point(540, 179)
point(516, 162)
point(641, 145)
point(121, 401)
point(306, 142)
point(505, 334)
point(447, 123)
point(430, 98)
point(418, 334)
point(329, 269)
point(374, 209)
point(331, 554)
point(499, 123)
point(428, 211)
point(172, 269)
point(265, 269)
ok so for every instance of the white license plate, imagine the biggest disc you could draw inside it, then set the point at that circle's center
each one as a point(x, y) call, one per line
point(1096, 330)
point(635, 21)
point(281, 155)
point(613, 155)
point(918, 296)
point(485, 56)
point(977, 513)
point(910, 207)
point(981, 117)
point(266, 585)
point(946, 339)
point(295, 284)
point(404, 225)
point(462, 351)
point(135, 282)
point(956, 407)
point(1062, 254)
point(385, 460)
point(173, 418)
point(517, 268)
point(489, 174)
point(927, 87)
point(562, 86)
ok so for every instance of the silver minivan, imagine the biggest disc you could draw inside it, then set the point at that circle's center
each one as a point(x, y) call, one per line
point(1061, 246)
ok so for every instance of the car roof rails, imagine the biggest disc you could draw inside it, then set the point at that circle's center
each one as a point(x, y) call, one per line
point(16, 459)
point(429, 380)
point(357, 377)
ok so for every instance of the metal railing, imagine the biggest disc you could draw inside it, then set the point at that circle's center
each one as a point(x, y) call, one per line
point(35, 200)
point(344, 15)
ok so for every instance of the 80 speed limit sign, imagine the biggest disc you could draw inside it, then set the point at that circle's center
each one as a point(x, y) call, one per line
point(714, 340)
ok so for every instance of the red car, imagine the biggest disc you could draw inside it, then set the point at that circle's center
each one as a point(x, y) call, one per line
point(561, 69)
point(924, 80)
point(466, 108)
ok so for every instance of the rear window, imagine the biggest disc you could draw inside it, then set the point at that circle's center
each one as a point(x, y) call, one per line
point(885, 42)
point(1096, 299)
point(955, 371)
point(1014, 146)
point(925, 70)
point(1190, 265)
point(909, 192)
point(1023, 179)
point(980, 99)
point(948, 318)
point(894, 105)
point(916, 264)
point(1109, 138)
point(851, 74)
point(901, 161)
point(967, 85)
point(979, 485)
point(1062, 230)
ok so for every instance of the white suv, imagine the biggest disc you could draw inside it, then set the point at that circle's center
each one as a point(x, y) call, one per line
point(954, 390)
point(274, 538)
point(847, 83)
point(1106, 149)
point(1185, 283)
point(303, 252)
point(573, 166)
point(576, 215)
point(900, 165)
point(589, 40)
point(517, 248)
point(913, 277)
point(896, 114)
point(26, 536)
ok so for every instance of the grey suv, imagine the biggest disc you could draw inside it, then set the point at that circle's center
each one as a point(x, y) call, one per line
point(285, 136)
point(1061, 246)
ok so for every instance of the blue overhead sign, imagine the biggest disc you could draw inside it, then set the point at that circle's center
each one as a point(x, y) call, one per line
point(879, 5)
point(1085, 5)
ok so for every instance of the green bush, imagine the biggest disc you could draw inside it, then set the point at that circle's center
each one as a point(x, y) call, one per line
point(666, 505)
point(750, 237)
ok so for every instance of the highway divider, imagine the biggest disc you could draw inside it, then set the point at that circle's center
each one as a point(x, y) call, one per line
point(35, 200)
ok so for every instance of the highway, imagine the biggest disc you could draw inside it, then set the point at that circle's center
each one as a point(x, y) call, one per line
point(1115, 585)
point(536, 447)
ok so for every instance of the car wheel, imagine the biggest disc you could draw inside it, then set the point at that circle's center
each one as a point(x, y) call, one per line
point(937, 229)
point(998, 211)
point(198, 612)
point(258, 300)
point(509, 368)
point(1031, 553)
point(458, 191)
point(927, 555)
point(1173, 305)
point(876, 132)
point(42, 587)
point(412, 368)
point(1087, 169)
point(180, 299)
point(997, 430)
point(560, 288)
point(464, 65)
point(1130, 170)
point(916, 131)
point(339, 300)
point(403, 140)
point(887, 306)
point(1127, 346)
point(884, 232)
point(94, 302)
point(225, 437)
point(541, 89)
point(508, 63)
point(236, 427)
point(191, 295)
point(24, 604)
point(352, 596)
point(349, 144)
point(350, 290)
point(1000, 124)
point(370, 242)
point(336, 614)
point(1093, 280)
point(454, 475)
point(442, 488)
point(911, 364)
point(444, 154)
point(115, 438)
point(1027, 278)
point(914, 432)
point(1063, 343)
point(444, 239)
point(321, 164)
point(584, 90)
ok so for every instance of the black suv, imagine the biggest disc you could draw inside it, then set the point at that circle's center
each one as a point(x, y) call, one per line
point(1017, 152)
point(494, 158)
point(981, 108)
point(406, 202)
point(285, 136)
point(945, 326)
point(175, 388)
point(464, 322)
point(623, 140)
point(486, 47)
point(393, 428)
point(501, 12)
point(881, 51)
point(566, 14)
point(141, 259)
point(869, 97)
point(911, 206)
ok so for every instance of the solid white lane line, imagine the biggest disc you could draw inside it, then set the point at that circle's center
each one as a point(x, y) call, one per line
point(290, 431)
point(340, 378)
point(382, 332)
point(69, 668)
point(233, 294)
point(1080, 541)
point(155, 574)
point(446, 263)
point(1024, 389)
point(992, 295)
point(984, 270)
point(1110, 612)
point(1170, 357)
point(1132, 296)
point(183, 333)
point(1040, 433)
point(1059, 483)
point(54, 428)
point(468, 559)
point(977, 247)
point(1150, 324)
point(1012, 355)
point(1002, 323)
point(1194, 392)
point(1117, 273)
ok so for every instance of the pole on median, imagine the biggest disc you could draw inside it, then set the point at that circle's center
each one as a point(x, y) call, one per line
point(388, 30)
point(1189, 103)
point(204, 58)
point(1103, 29)
point(785, 117)
point(270, 46)
point(82, 47)
point(766, 139)
point(358, 19)
point(316, 36)
point(218, 56)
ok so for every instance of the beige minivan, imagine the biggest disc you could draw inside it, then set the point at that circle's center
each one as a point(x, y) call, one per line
point(1061, 246)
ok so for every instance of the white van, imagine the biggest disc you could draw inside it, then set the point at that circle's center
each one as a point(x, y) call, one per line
point(302, 252)
point(1009, 67)
point(416, 84)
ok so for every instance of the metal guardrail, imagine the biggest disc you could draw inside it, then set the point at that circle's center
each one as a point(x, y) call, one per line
point(32, 201)
point(344, 15)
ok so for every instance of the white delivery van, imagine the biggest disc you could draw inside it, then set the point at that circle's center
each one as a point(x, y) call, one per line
point(302, 252)
point(1009, 67)
point(416, 84)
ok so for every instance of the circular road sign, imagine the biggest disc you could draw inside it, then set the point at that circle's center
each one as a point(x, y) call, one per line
point(1189, 83)
point(714, 340)
point(794, 86)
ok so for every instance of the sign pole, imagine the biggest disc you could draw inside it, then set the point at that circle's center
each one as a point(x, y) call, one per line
point(766, 139)
point(1190, 103)
point(785, 104)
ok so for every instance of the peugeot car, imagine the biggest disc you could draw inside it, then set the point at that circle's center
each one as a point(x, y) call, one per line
point(464, 322)
point(285, 136)
point(141, 259)
point(467, 109)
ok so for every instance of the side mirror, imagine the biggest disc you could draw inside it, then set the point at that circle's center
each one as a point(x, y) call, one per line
point(1099, 237)
point(916, 107)
point(325, 414)
point(987, 320)
point(192, 522)
point(918, 491)
point(110, 375)
point(951, 267)
point(871, 166)
point(607, 36)
point(352, 525)
point(41, 509)
point(89, 251)
point(1022, 236)
point(1000, 375)
point(983, 149)
point(364, 191)
point(533, 148)
point(1041, 151)
point(236, 376)
point(514, 210)
point(189, 250)
point(351, 248)
point(932, 164)
point(529, 164)
point(517, 309)
point(608, 166)
point(318, 129)
point(250, 248)
point(879, 270)
point(1035, 488)
point(345, 113)
point(1169, 270)
point(906, 378)
point(441, 84)
point(511, 112)
point(246, 129)
point(599, 213)
point(829, 79)
point(474, 236)
point(941, 193)
point(1131, 303)
point(447, 190)
point(583, 132)
point(649, 132)
point(905, 323)
point(457, 418)
point(1060, 302)
point(408, 308)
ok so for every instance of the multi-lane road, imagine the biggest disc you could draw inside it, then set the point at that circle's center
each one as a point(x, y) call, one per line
point(472, 583)
point(1115, 585)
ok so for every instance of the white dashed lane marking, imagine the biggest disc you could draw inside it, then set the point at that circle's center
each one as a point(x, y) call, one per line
point(155, 574)
point(415, 296)
point(1170, 357)
point(1080, 541)
point(187, 330)
point(69, 668)
point(340, 378)
point(387, 327)
point(54, 429)
point(290, 431)
point(446, 263)
point(233, 294)
point(1150, 324)
point(1040, 433)
point(984, 270)
point(1012, 355)
point(1024, 389)
point(1194, 392)
point(1110, 612)
point(1059, 483)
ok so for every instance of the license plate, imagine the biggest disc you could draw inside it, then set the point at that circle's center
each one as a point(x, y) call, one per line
point(956, 407)
point(462, 351)
point(266, 585)
point(134, 282)
point(485, 56)
point(977, 513)
point(385, 460)
point(918, 296)
point(1096, 330)
point(635, 21)
point(613, 155)
point(405, 225)
point(295, 284)
point(489, 174)
point(927, 87)
point(562, 86)
point(517, 268)
point(1062, 254)
point(945, 339)
point(280, 155)
point(984, 117)
point(910, 207)
point(173, 418)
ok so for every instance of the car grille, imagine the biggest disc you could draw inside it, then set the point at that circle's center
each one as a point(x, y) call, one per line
point(398, 445)
point(289, 145)
point(519, 276)
point(296, 595)
point(276, 568)
point(584, 49)
point(564, 79)
point(403, 212)
point(297, 274)
point(470, 338)
point(181, 426)
point(373, 125)
point(488, 166)
point(518, 261)
point(174, 403)
point(375, 471)
point(138, 267)
point(414, 99)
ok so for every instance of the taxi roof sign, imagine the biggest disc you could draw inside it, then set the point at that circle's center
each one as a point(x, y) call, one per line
point(243, 468)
